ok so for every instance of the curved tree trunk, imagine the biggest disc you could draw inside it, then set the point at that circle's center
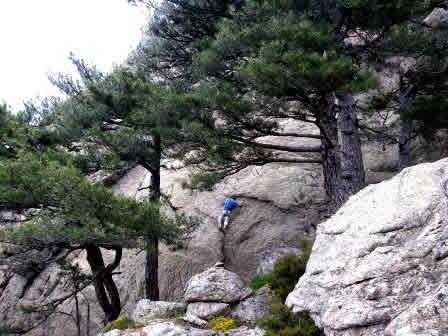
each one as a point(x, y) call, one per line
point(353, 174)
point(105, 288)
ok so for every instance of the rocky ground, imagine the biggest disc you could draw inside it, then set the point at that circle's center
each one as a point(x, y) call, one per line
point(213, 293)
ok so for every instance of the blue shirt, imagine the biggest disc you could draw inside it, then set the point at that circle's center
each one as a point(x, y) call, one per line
point(230, 204)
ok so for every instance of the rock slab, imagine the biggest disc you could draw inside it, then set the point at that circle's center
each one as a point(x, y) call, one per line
point(379, 266)
point(208, 310)
point(147, 310)
point(216, 285)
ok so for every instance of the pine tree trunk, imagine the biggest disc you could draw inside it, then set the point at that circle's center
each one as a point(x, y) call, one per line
point(152, 249)
point(353, 174)
point(331, 161)
point(152, 269)
point(404, 149)
point(105, 289)
point(404, 146)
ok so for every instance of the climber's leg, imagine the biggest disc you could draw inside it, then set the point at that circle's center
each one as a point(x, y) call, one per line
point(220, 222)
point(226, 222)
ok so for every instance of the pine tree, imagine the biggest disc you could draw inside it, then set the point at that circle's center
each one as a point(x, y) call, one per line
point(134, 120)
point(66, 213)
point(310, 52)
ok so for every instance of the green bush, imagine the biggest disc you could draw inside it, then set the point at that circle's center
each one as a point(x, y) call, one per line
point(222, 324)
point(123, 322)
point(259, 282)
point(287, 271)
point(282, 322)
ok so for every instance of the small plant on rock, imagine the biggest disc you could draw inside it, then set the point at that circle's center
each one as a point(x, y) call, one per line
point(222, 324)
point(123, 322)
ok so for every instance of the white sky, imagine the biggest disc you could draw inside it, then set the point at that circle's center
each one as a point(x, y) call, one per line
point(36, 37)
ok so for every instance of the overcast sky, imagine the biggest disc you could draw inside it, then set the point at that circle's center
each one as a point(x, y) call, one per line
point(37, 36)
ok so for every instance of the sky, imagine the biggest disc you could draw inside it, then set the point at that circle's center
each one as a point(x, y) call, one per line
point(36, 37)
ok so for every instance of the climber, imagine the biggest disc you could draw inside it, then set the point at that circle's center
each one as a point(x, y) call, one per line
point(224, 218)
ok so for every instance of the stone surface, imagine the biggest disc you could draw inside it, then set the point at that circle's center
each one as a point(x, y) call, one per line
point(255, 307)
point(216, 285)
point(162, 328)
point(193, 319)
point(437, 19)
point(171, 329)
point(147, 310)
point(268, 260)
point(208, 310)
point(379, 266)
point(244, 331)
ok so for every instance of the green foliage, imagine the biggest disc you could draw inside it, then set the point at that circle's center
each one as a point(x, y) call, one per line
point(222, 324)
point(261, 281)
point(13, 330)
point(282, 322)
point(123, 322)
point(202, 181)
point(287, 271)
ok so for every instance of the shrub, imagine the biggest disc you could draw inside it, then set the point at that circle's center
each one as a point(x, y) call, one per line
point(259, 282)
point(123, 322)
point(281, 321)
point(222, 324)
point(287, 271)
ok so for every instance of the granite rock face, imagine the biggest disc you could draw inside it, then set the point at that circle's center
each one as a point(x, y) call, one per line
point(379, 266)
point(216, 285)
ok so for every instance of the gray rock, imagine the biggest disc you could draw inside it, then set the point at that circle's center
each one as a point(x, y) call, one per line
point(253, 308)
point(216, 285)
point(376, 267)
point(162, 328)
point(269, 259)
point(437, 19)
point(244, 331)
point(147, 310)
point(208, 310)
point(193, 319)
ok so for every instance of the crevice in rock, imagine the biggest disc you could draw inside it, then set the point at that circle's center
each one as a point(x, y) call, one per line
point(5, 282)
point(359, 282)
point(29, 282)
point(247, 234)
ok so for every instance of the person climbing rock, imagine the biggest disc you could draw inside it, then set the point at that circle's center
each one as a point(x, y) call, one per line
point(224, 218)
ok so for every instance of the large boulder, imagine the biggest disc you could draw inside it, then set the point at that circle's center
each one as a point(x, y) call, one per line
point(208, 310)
point(216, 285)
point(379, 266)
